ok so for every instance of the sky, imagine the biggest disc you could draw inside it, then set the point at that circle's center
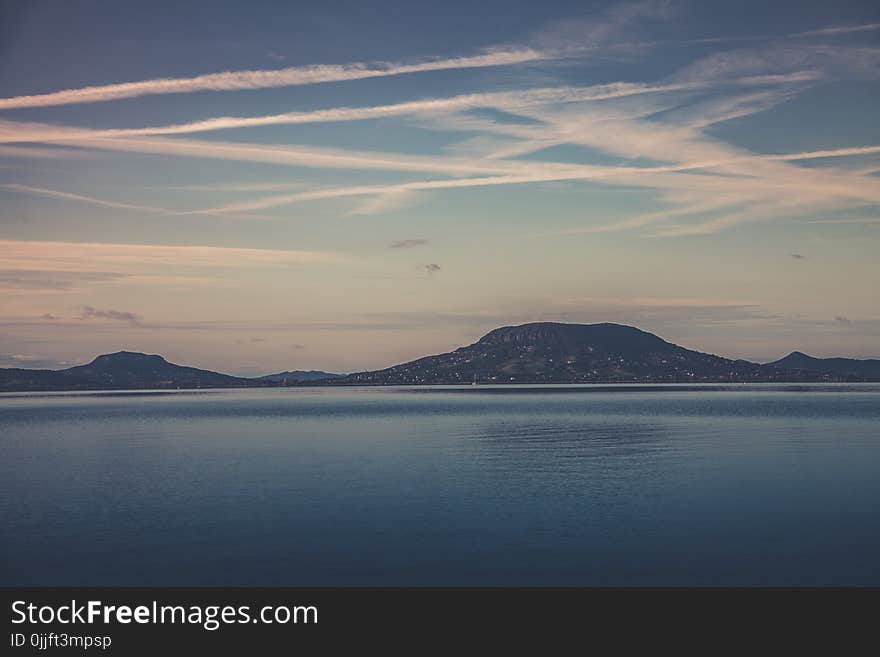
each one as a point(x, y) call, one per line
point(259, 186)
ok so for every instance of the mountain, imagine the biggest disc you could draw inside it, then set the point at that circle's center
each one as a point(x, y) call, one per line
point(299, 376)
point(122, 370)
point(549, 352)
point(542, 352)
point(851, 368)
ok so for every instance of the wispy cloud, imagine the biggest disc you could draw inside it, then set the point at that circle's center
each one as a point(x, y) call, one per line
point(132, 319)
point(67, 196)
point(31, 361)
point(526, 172)
point(387, 203)
point(34, 273)
point(57, 280)
point(561, 117)
point(707, 185)
point(79, 198)
point(95, 260)
point(266, 79)
point(861, 220)
point(615, 29)
point(11, 132)
point(759, 179)
point(409, 244)
point(783, 57)
point(250, 341)
point(834, 31)
point(41, 153)
point(296, 156)
point(560, 40)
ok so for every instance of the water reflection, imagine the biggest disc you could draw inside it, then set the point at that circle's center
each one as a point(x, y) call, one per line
point(381, 486)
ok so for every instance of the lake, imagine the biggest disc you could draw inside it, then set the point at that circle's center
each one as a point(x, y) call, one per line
point(515, 485)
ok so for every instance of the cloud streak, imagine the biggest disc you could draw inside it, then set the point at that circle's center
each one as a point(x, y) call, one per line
point(834, 31)
point(89, 312)
point(409, 244)
point(663, 122)
point(79, 198)
point(652, 139)
point(507, 100)
point(67, 196)
point(527, 173)
point(267, 79)
point(563, 40)
point(51, 280)
point(96, 259)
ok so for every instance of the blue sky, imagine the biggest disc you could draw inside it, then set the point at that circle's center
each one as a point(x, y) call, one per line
point(345, 185)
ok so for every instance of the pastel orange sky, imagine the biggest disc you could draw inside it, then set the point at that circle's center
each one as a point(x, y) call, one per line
point(312, 186)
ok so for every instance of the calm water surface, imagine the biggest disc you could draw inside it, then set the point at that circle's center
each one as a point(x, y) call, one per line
point(664, 485)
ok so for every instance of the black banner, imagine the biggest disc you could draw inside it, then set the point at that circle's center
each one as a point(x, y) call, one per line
point(128, 621)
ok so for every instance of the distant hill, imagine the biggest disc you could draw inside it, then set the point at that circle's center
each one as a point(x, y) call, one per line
point(122, 370)
point(837, 367)
point(549, 352)
point(299, 376)
point(542, 352)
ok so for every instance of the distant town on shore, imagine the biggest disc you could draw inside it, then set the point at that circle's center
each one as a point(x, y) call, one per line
point(535, 353)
